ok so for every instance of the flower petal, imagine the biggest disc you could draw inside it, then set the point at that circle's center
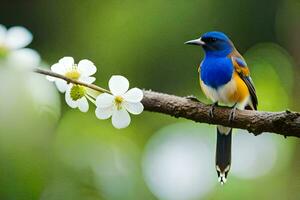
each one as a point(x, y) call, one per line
point(61, 85)
point(69, 100)
point(18, 37)
point(105, 100)
point(134, 95)
point(104, 113)
point(58, 68)
point(83, 104)
point(88, 79)
point(92, 93)
point(50, 78)
point(118, 85)
point(120, 118)
point(134, 108)
point(2, 34)
point(86, 67)
point(24, 59)
point(66, 61)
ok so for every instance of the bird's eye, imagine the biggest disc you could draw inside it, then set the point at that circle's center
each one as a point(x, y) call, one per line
point(210, 39)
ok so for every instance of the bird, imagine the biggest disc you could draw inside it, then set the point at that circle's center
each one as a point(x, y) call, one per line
point(224, 79)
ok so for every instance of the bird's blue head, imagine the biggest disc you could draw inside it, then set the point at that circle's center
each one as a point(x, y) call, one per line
point(214, 43)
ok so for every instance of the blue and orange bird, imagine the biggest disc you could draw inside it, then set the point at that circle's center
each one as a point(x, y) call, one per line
point(225, 79)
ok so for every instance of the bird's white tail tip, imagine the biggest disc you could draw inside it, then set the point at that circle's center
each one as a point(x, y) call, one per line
point(222, 178)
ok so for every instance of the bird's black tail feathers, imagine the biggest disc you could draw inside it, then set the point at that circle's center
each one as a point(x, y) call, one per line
point(223, 152)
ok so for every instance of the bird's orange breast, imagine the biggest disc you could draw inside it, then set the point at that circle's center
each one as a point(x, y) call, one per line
point(241, 92)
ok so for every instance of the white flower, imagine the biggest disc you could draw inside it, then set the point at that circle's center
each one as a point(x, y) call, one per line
point(66, 67)
point(121, 101)
point(12, 51)
point(76, 96)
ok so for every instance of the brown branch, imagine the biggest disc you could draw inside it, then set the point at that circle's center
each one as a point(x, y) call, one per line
point(285, 123)
point(56, 75)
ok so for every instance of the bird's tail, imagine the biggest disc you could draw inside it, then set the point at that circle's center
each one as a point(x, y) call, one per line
point(223, 152)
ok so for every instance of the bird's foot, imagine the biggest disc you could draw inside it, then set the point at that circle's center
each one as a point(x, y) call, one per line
point(192, 98)
point(232, 113)
point(212, 108)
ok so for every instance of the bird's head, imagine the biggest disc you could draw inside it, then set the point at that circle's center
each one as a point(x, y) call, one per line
point(214, 43)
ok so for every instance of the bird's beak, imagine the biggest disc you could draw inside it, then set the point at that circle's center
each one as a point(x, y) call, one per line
point(198, 42)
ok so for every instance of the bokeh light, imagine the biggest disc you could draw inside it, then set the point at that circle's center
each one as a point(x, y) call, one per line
point(253, 156)
point(49, 151)
point(178, 164)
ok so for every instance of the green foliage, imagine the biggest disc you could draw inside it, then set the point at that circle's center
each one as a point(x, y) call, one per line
point(80, 157)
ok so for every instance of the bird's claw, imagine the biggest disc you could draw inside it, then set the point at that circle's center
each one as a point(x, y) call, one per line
point(192, 98)
point(232, 113)
point(212, 108)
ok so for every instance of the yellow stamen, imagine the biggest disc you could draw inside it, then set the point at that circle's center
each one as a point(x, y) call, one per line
point(73, 74)
point(77, 92)
point(118, 102)
point(3, 52)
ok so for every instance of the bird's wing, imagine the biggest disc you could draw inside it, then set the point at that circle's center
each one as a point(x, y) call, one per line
point(241, 68)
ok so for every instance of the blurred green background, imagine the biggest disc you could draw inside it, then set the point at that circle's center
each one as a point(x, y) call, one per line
point(49, 151)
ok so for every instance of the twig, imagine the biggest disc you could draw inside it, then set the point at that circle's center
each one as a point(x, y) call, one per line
point(56, 75)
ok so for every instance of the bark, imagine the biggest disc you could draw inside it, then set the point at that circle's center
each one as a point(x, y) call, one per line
point(285, 123)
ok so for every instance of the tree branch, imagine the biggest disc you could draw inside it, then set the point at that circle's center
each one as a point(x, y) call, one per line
point(56, 75)
point(285, 123)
